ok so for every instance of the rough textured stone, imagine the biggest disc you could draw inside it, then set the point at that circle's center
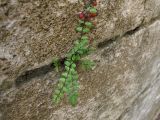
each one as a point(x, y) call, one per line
point(125, 82)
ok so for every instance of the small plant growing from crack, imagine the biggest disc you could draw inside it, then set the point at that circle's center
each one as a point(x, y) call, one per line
point(68, 82)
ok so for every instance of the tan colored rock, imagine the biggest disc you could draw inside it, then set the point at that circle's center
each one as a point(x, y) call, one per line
point(125, 82)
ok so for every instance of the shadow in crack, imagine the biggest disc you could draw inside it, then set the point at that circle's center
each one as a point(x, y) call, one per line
point(37, 72)
point(107, 42)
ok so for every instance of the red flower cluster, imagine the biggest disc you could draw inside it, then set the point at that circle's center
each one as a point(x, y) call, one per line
point(94, 3)
point(90, 12)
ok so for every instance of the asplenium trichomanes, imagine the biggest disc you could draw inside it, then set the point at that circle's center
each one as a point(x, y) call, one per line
point(68, 82)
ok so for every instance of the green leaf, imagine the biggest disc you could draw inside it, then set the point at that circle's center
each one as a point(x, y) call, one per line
point(87, 6)
point(60, 85)
point(62, 80)
point(93, 10)
point(89, 24)
point(73, 65)
point(79, 29)
point(80, 52)
point(76, 48)
point(57, 100)
point(72, 70)
point(64, 74)
point(68, 91)
point(61, 95)
point(87, 64)
point(57, 91)
point(68, 84)
point(84, 37)
point(84, 42)
point(73, 57)
point(86, 51)
point(55, 60)
point(67, 68)
point(54, 97)
point(69, 76)
point(68, 80)
point(56, 63)
point(81, 22)
point(75, 77)
point(77, 57)
point(76, 85)
point(76, 42)
point(86, 30)
point(64, 89)
point(69, 55)
point(67, 63)
point(73, 99)
point(72, 51)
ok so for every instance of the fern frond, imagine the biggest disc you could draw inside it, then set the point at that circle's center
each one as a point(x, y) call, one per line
point(68, 82)
point(87, 64)
point(56, 63)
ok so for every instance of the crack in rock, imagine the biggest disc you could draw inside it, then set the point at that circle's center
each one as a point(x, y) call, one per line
point(37, 72)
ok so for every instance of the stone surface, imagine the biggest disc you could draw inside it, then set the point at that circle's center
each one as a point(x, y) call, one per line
point(125, 84)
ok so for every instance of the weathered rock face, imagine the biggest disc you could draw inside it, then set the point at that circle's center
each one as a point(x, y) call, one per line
point(125, 84)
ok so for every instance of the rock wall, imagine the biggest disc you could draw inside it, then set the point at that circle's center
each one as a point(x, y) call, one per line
point(124, 85)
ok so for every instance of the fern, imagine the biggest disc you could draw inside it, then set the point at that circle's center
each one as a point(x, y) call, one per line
point(68, 82)
point(87, 64)
point(56, 63)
